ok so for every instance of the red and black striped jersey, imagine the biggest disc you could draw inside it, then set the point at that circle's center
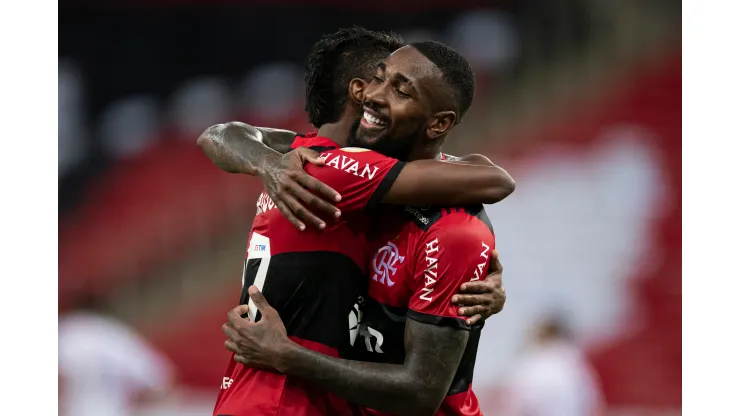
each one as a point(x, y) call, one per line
point(312, 278)
point(422, 257)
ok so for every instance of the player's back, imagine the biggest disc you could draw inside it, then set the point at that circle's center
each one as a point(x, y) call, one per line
point(418, 265)
point(311, 278)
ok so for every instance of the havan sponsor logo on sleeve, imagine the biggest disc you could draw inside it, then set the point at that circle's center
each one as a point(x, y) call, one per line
point(349, 165)
point(430, 273)
point(480, 270)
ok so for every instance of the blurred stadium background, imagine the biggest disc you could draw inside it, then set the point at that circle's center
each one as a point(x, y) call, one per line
point(580, 101)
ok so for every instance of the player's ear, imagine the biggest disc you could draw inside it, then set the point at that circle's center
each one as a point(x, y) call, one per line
point(440, 124)
point(357, 90)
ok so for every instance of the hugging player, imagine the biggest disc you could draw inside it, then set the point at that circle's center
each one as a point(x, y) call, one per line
point(311, 278)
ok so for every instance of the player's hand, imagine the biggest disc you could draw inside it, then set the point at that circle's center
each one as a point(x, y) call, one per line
point(255, 344)
point(479, 300)
point(292, 189)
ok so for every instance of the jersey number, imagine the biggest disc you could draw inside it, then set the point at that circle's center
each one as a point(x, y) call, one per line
point(258, 252)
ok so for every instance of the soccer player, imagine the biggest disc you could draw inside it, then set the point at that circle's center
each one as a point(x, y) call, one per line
point(424, 354)
point(336, 71)
point(312, 278)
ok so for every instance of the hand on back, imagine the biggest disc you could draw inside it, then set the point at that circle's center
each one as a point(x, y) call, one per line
point(256, 344)
point(298, 195)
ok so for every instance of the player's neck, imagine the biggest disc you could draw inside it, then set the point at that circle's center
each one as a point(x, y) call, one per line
point(338, 132)
point(424, 155)
point(426, 151)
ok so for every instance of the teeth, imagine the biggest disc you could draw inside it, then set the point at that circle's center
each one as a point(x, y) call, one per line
point(372, 119)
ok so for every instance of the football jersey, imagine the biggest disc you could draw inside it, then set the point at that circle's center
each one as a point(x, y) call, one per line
point(422, 258)
point(312, 278)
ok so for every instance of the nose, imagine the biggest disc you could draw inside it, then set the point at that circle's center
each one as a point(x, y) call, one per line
point(376, 95)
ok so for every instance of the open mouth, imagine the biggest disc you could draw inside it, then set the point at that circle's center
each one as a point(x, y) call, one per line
point(371, 119)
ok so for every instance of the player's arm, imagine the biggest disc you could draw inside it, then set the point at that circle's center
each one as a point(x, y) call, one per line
point(365, 179)
point(237, 147)
point(417, 387)
point(473, 179)
point(260, 151)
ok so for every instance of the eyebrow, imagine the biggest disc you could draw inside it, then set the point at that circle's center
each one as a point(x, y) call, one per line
point(402, 77)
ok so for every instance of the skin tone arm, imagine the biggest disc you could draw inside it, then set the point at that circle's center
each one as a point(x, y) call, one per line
point(259, 151)
point(417, 387)
point(432, 182)
point(238, 147)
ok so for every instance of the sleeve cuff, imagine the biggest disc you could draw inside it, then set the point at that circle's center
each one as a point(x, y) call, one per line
point(385, 186)
point(438, 320)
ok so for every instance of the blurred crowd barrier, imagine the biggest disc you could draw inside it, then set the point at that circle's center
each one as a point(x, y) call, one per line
point(579, 100)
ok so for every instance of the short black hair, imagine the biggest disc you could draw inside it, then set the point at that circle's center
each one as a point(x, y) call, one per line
point(334, 61)
point(456, 72)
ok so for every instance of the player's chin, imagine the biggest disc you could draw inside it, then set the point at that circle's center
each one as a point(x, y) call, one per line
point(368, 141)
point(369, 132)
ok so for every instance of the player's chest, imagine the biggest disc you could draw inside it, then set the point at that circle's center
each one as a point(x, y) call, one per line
point(392, 264)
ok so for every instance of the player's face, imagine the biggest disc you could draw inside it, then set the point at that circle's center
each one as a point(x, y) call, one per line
point(397, 106)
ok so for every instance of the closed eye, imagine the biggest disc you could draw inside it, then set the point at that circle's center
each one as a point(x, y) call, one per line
point(402, 94)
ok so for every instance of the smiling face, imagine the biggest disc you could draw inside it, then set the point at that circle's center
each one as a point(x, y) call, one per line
point(406, 102)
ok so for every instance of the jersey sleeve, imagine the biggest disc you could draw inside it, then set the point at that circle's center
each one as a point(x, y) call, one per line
point(362, 177)
point(456, 249)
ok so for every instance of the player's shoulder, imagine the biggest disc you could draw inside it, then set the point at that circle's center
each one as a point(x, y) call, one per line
point(461, 222)
point(314, 142)
point(462, 232)
point(359, 164)
point(364, 155)
point(436, 218)
point(350, 149)
point(448, 158)
point(363, 175)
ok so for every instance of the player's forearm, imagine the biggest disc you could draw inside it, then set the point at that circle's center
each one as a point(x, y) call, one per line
point(496, 183)
point(471, 159)
point(240, 148)
point(503, 184)
point(386, 387)
point(430, 182)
